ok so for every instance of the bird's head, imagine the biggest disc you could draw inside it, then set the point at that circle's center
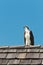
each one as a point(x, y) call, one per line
point(26, 28)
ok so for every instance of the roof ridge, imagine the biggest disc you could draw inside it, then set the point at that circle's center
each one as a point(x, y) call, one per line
point(22, 46)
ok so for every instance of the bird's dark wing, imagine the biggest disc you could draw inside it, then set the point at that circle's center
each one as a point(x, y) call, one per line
point(31, 38)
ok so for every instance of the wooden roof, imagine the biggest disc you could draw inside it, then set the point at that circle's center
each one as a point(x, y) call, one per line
point(24, 55)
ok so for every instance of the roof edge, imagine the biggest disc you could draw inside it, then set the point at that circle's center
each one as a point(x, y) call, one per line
point(15, 47)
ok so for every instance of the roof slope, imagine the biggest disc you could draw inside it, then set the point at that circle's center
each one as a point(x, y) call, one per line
point(26, 55)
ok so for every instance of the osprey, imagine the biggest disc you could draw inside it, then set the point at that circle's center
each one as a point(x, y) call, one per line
point(28, 36)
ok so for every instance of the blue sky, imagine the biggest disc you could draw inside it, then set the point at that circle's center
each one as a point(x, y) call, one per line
point(14, 14)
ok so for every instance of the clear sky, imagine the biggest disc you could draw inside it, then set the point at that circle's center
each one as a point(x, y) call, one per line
point(14, 14)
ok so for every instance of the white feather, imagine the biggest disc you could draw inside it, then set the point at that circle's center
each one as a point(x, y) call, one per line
point(27, 36)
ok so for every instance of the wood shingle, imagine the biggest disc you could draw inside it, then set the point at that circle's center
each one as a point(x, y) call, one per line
point(21, 55)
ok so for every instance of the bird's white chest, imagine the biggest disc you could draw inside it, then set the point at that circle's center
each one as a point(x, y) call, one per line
point(27, 34)
point(27, 37)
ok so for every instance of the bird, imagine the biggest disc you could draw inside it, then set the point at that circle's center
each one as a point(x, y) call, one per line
point(28, 36)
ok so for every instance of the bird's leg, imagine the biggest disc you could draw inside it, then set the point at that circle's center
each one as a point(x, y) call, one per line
point(26, 42)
